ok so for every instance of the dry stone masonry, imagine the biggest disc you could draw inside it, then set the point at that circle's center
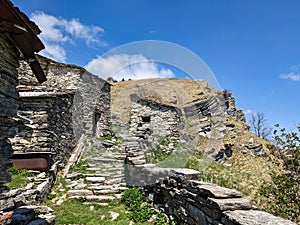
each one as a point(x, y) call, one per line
point(181, 194)
point(18, 35)
point(152, 119)
point(8, 100)
point(64, 113)
point(71, 103)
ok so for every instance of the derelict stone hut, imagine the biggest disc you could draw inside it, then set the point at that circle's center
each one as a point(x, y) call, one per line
point(150, 118)
point(18, 35)
point(72, 103)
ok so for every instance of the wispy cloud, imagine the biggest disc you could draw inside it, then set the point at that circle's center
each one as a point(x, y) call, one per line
point(248, 112)
point(126, 66)
point(57, 32)
point(294, 73)
point(292, 76)
point(153, 32)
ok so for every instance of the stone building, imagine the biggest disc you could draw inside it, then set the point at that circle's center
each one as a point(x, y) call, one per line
point(71, 103)
point(149, 118)
point(18, 36)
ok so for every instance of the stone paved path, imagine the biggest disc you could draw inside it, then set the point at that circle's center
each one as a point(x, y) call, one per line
point(101, 177)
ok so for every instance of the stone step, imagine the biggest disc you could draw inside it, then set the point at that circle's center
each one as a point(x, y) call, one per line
point(95, 179)
point(108, 191)
point(107, 165)
point(114, 181)
point(120, 156)
point(82, 192)
point(135, 153)
point(96, 170)
point(100, 187)
point(98, 175)
point(115, 187)
point(97, 198)
point(77, 185)
point(121, 175)
point(102, 160)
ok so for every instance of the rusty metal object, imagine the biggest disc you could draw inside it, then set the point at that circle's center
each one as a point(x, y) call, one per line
point(40, 161)
point(6, 218)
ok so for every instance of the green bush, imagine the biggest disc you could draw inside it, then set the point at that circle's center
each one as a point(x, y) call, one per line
point(133, 200)
point(283, 195)
point(142, 214)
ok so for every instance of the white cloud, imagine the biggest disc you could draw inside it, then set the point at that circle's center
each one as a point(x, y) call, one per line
point(57, 31)
point(248, 111)
point(54, 51)
point(294, 73)
point(126, 66)
point(293, 76)
point(295, 68)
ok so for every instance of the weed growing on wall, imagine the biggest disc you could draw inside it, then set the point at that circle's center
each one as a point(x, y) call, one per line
point(20, 177)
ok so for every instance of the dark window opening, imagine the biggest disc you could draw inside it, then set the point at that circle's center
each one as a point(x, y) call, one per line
point(146, 119)
point(97, 118)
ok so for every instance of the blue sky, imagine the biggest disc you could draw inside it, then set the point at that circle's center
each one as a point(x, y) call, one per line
point(253, 47)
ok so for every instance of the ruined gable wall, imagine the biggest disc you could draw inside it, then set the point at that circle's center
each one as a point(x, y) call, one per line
point(8, 100)
point(64, 110)
point(92, 97)
point(157, 119)
point(91, 93)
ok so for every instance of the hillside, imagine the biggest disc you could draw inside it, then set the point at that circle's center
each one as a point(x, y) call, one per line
point(208, 123)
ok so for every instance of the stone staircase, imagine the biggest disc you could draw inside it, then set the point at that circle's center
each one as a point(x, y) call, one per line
point(135, 151)
point(100, 178)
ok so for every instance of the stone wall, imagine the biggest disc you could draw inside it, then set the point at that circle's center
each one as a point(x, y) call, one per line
point(181, 194)
point(150, 123)
point(33, 193)
point(91, 103)
point(48, 127)
point(8, 101)
point(19, 206)
point(71, 103)
point(153, 119)
point(102, 122)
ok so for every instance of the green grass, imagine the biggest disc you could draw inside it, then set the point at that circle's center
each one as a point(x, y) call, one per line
point(19, 178)
point(79, 168)
point(158, 154)
point(75, 212)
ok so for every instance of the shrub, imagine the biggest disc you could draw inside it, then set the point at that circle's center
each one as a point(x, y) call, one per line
point(283, 195)
point(133, 200)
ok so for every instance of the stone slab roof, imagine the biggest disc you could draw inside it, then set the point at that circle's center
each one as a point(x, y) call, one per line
point(24, 34)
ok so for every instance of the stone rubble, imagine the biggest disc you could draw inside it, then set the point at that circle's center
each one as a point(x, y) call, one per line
point(22, 201)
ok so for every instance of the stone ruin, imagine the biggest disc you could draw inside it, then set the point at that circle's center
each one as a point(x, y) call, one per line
point(53, 117)
point(46, 119)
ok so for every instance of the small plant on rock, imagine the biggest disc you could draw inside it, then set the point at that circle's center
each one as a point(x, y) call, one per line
point(133, 200)
point(19, 177)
